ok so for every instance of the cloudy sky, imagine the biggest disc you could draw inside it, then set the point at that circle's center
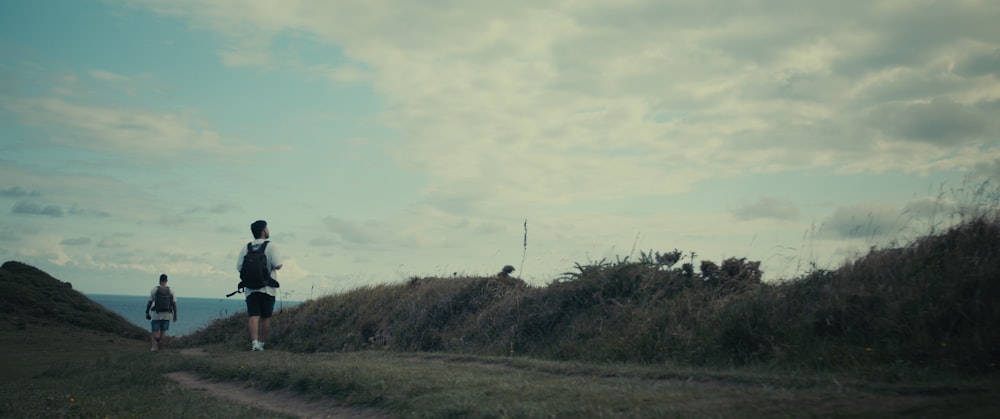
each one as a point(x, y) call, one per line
point(388, 139)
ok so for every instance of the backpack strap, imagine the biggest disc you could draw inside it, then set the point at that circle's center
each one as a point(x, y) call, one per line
point(262, 246)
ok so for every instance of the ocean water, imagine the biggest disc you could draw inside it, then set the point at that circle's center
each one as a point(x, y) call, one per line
point(192, 313)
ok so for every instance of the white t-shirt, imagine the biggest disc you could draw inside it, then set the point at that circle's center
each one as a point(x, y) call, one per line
point(273, 259)
point(161, 315)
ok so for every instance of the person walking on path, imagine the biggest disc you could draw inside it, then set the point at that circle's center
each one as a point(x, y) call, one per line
point(164, 305)
point(260, 301)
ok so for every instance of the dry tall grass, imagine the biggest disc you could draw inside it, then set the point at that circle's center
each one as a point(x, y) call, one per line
point(931, 304)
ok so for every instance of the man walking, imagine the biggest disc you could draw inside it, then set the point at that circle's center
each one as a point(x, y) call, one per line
point(260, 299)
point(163, 303)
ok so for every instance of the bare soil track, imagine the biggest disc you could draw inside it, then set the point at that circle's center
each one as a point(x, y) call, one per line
point(282, 401)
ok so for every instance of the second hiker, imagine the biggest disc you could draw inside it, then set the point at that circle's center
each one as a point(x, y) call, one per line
point(164, 304)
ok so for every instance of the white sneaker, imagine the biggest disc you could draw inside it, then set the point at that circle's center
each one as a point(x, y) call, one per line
point(256, 346)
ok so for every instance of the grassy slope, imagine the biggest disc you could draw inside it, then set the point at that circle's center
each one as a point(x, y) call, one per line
point(34, 298)
point(436, 385)
point(60, 371)
point(65, 371)
point(64, 356)
point(926, 308)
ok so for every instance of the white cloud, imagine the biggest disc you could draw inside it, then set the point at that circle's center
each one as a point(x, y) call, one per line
point(989, 170)
point(118, 130)
point(77, 241)
point(34, 208)
point(475, 80)
point(866, 221)
point(939, 121)
point(518, 106)
point(547, 111)
point(18, 192)
point(111, 243)
point(350, 233)
point(108, 76)
point(41, 246)
point(84, 193)
point(767, 207)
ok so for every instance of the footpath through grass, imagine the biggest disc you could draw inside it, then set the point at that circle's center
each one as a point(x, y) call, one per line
point(57, 371)
point(63, 372)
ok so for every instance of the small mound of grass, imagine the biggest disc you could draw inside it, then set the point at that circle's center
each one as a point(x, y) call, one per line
point(34, 298)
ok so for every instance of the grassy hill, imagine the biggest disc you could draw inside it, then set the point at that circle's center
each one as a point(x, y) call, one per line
point(931, 305)
point(881, 336)
point(33, 298)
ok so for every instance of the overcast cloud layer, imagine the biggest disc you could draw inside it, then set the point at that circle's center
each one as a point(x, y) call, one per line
point(390, 139)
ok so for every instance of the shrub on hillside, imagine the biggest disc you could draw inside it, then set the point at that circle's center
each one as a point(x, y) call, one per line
point(931, 304)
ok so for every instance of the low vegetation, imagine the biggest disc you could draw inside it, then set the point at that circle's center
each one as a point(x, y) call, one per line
point(32, 298)
point(64, 356)
point(899, 332)
point(929, 306)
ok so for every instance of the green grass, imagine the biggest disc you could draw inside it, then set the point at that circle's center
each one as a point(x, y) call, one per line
point(86, 374)
point(56, 371)
point(899, 332)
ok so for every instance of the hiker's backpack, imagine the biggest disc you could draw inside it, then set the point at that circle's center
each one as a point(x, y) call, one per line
point(255, 272)
point(162, 300)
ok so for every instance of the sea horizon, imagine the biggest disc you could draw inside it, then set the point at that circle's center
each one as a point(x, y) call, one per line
point(193, 313)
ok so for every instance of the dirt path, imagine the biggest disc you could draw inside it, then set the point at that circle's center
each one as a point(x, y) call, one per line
point(282, 401)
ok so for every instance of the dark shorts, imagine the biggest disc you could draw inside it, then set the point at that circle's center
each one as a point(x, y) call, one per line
point(158, 325)
point(260, 304)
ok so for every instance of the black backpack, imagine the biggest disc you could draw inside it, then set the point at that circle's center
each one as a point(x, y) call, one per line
point(163, 300)
point(255, 272)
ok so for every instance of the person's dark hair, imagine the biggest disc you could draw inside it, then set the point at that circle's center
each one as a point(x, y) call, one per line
point(163, 277)
point(257, 228)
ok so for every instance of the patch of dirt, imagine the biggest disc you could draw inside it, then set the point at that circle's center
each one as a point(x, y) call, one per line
point(194, 351)
point(282, 401)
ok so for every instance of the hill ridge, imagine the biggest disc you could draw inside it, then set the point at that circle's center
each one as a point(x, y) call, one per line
point(929, 304)
point(33, 298)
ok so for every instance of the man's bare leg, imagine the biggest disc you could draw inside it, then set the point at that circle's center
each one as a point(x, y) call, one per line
point(265, 329)
point(252, 323)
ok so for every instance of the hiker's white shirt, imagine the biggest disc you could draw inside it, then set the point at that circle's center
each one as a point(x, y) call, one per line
point(273, 259)
point(161, 315)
